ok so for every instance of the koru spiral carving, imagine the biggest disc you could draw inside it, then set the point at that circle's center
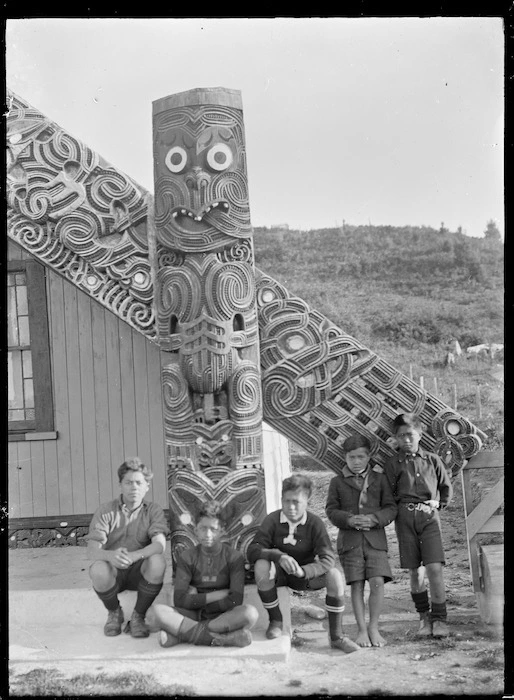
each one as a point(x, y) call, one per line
point(239, 345)
point(320, 385)
point(206, 311)
point(78, 215)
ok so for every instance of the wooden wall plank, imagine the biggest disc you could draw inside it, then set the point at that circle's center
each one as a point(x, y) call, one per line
point(51, 477)
point(112, 346)
point(103, 446)
point(37, 461)
point(155, 412)
point(74, 399)
point(13, 485)
point(92, 487)
point(60, 383)
point(25, 480)
point(128, 398)
point(141, 403)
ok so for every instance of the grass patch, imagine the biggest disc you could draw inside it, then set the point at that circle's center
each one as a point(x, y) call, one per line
point(50, 682)
point(489, 659)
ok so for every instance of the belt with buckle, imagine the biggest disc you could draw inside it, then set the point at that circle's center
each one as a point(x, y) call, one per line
point(418, 506)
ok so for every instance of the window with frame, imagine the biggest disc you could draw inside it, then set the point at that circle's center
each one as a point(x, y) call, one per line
point(30, 403)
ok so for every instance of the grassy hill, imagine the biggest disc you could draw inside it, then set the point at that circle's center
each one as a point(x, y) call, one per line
point(405, 293)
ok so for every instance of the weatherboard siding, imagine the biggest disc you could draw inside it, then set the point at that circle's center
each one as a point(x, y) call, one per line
point(107, 406)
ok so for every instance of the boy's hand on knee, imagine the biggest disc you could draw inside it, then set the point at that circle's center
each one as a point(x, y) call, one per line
point(291, 566)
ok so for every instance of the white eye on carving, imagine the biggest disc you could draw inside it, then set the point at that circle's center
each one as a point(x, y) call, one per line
point(219, 157)
point(176, 159)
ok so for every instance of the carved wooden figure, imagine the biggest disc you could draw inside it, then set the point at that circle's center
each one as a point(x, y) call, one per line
point(206, 311)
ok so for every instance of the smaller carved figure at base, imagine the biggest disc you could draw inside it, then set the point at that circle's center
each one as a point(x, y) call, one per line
point(126, 541)
point(208, 591)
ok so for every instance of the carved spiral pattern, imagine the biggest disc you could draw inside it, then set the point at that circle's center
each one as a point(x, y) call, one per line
point(68, 207)
point(321, 385)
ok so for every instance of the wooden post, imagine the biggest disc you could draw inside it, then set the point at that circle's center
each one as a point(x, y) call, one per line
point(410, 371)
point(421, 382)
point(454, 403)
point(436, 391)
point(479, 403)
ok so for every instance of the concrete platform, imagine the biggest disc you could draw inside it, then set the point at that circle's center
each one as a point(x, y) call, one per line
point(55, 615)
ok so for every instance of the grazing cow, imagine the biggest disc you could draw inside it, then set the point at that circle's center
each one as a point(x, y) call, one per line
point(476, 350)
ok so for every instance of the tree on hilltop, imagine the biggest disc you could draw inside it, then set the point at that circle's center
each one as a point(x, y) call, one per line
point(492, 232)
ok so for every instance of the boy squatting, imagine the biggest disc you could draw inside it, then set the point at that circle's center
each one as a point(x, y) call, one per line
point(360, 503)
point(292, 548)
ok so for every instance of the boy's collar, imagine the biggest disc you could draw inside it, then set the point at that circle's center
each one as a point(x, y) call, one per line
point(285, 519)
point(402, 456)
point(346, 471)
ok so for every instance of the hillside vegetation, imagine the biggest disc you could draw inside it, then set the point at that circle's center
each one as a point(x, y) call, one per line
point(403, 292)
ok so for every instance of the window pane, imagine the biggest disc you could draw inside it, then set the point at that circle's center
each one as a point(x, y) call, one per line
point(12, 328)
point(27, 364)
point(20, 278)
point(23, 326)
point(29, 393)
point(30, 414)
point(21, 298)
point(15, 380)
point(10, 279)
point(17, 415)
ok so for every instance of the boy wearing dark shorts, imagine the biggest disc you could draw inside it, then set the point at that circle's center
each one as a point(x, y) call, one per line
point(292, 548)
point(360, 504)
point(126, 541)
point(421, 486)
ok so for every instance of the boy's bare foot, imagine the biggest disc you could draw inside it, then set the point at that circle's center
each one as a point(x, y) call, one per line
point(376, 638)
point(363, 639)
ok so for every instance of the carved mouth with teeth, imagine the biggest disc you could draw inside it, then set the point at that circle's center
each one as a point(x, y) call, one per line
point(184, 212)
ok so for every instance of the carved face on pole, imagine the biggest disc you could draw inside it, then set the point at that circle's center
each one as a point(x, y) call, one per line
point(201, 193)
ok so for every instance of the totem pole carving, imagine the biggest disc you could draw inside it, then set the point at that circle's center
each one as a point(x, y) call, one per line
point(206, 312)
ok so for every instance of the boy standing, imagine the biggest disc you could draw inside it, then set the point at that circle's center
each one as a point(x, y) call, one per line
point(421, 486)
point(208, 591)
point(296, 543)
point(126, 541)
point(360, 504)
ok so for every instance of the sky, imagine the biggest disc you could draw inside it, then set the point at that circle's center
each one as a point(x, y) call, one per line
point(384, 121)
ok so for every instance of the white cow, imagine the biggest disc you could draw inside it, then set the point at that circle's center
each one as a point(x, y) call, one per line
point(484, 349)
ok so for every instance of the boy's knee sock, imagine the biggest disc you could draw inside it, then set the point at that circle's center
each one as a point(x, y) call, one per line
point(269, 600)
point(146, 594)
point(109, 598)
point(421, 602)
point(335, 607)
point(199, 635)
point(438, 611)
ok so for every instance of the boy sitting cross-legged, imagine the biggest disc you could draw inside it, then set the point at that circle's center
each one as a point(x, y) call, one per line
point(296, 542)
point(208, 591)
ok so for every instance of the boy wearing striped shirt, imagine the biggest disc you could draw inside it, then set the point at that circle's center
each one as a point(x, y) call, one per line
point(292, 548)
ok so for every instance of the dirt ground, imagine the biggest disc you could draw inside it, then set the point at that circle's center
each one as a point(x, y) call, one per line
point(469, 662)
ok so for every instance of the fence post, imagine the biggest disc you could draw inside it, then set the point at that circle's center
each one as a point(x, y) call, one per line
point(455, 397)
point(479, 403)
point(410, 371)
point(422, 382)
point(436, 392)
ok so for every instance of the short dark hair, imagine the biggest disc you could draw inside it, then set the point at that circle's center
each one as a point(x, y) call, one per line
point(409, 419)
point(355, 441)
point(297, 482)
point(211, 509)
point(134, 464)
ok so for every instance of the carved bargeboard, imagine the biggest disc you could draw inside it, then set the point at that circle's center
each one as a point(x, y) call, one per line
point(320, 385)
point(206, 312)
